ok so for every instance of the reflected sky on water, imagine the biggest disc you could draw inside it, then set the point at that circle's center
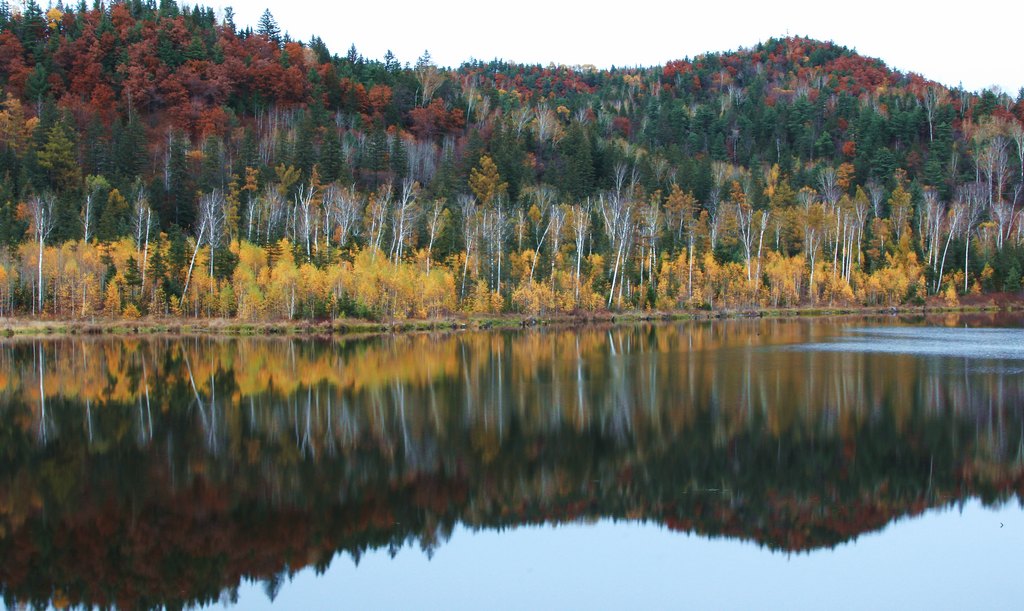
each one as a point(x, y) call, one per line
point(960, 343)
point(952, 558)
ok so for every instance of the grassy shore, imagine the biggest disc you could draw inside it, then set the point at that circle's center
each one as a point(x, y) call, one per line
point(10, 327)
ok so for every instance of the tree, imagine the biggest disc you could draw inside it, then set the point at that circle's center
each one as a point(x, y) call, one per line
point(403, 218)
point(686, 206)
point(58, 158)
point(576, 178)
point(212, 215)
point(307, 202)
point(95, 186)
point(813, 218)
point(485, 182)
point(437, 221)
point(932, 98)
point(540, 219)
point(745, 224)
point(211, 225)
point(762, 222)
point(346, 208)
point(142, 222)
point(617, 212)
point(899, 209)
point(377, 214)
point(428, 76)
point(828, 186)
point(494, 227)
point(556, 223)
point(1017, 135)
point(114, 220)
point(579, 220)
point(972, 198)
point(991, 157)
point(268, 28)
point(40, 212)
point(954, 217)
point(470, 213)
point(250, 187)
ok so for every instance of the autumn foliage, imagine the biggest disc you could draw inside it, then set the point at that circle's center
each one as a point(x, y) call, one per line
point(173, 147)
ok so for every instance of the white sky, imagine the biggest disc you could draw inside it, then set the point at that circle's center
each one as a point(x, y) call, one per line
point(975, 43)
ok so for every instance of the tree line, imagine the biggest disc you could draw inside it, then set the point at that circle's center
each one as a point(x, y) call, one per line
point(161, 160)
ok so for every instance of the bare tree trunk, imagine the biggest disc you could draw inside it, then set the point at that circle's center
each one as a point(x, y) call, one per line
point(145, 251)
point(760, 243)
point(967, 259)
point(188, 276)
point(689, 279)
point(40, 282)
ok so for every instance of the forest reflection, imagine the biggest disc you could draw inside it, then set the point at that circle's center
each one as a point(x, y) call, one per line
point(161, 471)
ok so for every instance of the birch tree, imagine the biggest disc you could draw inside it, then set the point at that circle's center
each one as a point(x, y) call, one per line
point(95, 186)
point(542, 203)
point(617, 212)
point(932, 98)
point(403, 218)
point(212, 217)
point(307, 204)
point(346, 207)
point(376, 217)
point(579, 219)
point(954, 217)
point(556, 223)
point(142, 222)
point(470, 221)
point(972, 197)
point(437, 222)
point(40, 212)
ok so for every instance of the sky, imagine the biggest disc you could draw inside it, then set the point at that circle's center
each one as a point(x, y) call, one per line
point(976, 44)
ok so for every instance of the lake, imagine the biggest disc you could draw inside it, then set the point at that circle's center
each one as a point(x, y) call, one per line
point(840, 463)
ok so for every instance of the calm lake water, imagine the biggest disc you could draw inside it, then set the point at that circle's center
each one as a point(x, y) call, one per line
point(728, 464)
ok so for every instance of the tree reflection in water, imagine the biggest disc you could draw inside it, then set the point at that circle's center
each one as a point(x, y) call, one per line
point(162, 471)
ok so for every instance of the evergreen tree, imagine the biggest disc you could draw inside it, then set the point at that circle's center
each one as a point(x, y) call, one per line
point(177, 206)
point(268, 28)
point(576, 177)
point(399, 160)
point(113, 221)
point(332, 157)
point(37, 86)
point(129, 145)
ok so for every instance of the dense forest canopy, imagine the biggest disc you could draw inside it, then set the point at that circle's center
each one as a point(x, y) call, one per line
point(155, 159)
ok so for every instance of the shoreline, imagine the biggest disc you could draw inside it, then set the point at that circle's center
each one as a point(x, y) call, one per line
point(348, 327)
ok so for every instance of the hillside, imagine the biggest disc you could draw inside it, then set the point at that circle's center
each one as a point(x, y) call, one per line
point(194, 167)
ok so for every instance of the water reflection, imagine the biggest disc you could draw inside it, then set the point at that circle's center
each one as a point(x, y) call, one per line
point(162, 471)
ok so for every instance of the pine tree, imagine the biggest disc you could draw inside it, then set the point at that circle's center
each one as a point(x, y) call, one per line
point(332, 158)
point(268, 28)
point(114, 220)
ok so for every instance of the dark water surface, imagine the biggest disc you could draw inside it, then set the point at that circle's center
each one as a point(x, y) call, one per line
point(737, 464)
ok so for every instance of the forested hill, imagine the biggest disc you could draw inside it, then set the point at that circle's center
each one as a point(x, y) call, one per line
point(163, 151)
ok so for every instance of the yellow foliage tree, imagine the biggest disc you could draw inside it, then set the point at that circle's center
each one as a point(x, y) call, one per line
point(112, 302)
point(485, 182)
point(785, 279)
